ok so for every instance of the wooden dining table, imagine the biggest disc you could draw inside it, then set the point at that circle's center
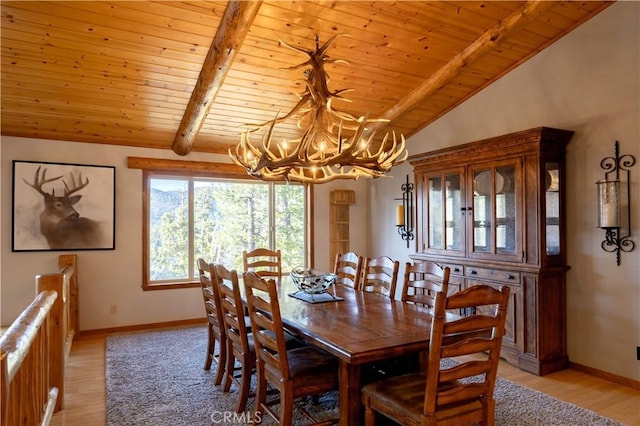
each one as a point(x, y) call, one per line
point(360, 329)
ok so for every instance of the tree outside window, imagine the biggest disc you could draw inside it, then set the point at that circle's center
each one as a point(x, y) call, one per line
point(189, 218)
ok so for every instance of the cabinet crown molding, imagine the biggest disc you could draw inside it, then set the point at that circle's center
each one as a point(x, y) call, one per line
point(494, 147)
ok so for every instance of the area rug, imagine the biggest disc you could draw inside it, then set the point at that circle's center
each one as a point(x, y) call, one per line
point(157, 378)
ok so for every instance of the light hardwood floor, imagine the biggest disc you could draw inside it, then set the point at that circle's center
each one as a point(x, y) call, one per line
point(85, 388)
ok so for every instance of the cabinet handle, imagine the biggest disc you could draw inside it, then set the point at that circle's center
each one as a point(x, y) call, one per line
point(456, 269)
point(474, 272)
point(511, 277)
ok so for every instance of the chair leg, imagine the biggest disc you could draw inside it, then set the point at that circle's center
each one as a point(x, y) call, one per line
point(261, 393)
point(222, 360)
point(489, 411)
point(229, 368)
point(369, 417)
point(286, 408)
point(245, 384)
point(211, 346)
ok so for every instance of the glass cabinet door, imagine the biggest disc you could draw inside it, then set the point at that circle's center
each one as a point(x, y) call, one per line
point(436, 209)
point(454, 227)
point(445, 223)
point(494, 218)
point(552, 209)
point(482, 211)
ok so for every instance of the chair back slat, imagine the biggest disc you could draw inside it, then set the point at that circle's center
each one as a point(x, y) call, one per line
point(348, 268)
point(265, 262)
point(422, 281)
point(266, 322)
point(380, 275)
point(210, 295)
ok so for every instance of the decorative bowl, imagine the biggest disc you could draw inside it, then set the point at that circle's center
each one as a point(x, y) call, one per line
point(312, 281)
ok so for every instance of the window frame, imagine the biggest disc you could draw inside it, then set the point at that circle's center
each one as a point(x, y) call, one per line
point(159, 168)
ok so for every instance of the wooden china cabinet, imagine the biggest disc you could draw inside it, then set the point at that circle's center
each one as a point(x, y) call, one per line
point(494, 212)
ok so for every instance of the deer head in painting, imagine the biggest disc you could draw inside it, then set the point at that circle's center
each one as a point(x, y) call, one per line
point(60, 222)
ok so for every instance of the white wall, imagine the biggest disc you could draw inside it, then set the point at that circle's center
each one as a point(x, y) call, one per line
point(589, 82)
point(358, 220)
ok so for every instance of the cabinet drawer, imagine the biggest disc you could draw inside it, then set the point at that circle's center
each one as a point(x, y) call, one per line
point(509, 277)
point(455, 269)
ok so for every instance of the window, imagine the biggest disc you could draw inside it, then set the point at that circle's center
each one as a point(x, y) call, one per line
point(216, 219)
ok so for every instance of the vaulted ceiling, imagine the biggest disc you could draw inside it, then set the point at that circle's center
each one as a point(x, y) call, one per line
point(187, 75)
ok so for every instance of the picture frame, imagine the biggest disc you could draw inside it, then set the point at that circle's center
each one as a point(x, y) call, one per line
point(62, 206)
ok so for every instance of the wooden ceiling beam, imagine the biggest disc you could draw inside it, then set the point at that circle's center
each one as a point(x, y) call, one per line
point(483, 44)
point(233, 29)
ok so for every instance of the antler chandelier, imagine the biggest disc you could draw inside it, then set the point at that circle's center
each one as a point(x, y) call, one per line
point(334, 144)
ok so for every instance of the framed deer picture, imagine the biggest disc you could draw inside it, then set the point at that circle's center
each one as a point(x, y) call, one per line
point(59, 206)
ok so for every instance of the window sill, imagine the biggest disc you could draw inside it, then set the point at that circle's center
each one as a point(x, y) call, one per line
point(170, 286)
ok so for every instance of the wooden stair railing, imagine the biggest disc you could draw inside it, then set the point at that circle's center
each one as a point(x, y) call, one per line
point(34, 350)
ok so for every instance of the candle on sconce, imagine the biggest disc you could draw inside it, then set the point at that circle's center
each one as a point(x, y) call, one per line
point(400, 215)
point(610, 215)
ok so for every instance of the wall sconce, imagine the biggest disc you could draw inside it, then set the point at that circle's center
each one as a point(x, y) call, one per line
point(404, 212)
point(611, 204)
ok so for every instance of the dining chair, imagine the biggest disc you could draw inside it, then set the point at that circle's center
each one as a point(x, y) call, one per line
point(380, 275)
point(265, 262)
point(215, 324)
point(294, 373)
point(348, 268)
point(422, 281)
point(464, 351)
point(240, 346)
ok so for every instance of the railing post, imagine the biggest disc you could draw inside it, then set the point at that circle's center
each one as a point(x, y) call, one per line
point(55, 282)
point(66, 261)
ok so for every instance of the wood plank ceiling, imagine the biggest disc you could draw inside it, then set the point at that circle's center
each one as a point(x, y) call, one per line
point(123, 72)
